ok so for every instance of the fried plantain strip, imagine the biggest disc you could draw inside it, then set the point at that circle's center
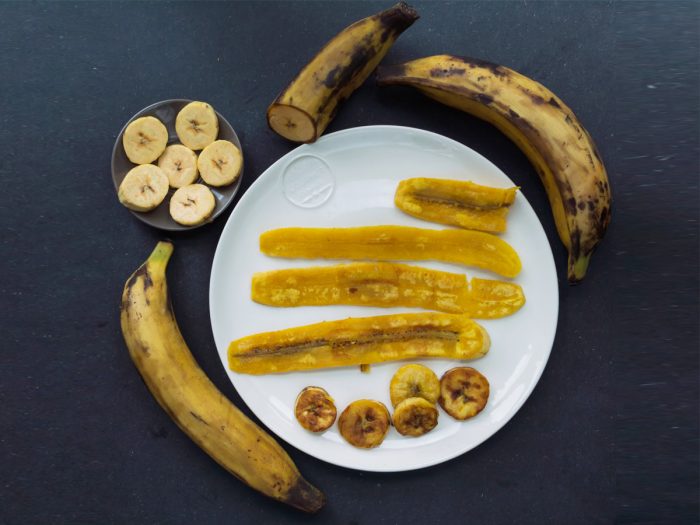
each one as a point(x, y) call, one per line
point(457, 203)
point(358, 341)
point(394, 243)
point(387, 285)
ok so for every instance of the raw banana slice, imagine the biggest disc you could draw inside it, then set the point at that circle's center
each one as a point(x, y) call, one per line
point(463, 392)
point(414, 381)
point(220, 163)
point(144, 140)
point(192, 205)
point(143, 188)
point(415, 416)
point(364, 423)
point(197, 125)
point(180, 165)
point(315, 409)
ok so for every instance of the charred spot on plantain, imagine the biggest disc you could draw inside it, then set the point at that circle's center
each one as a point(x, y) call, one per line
point(553, 102)
point(352, 290)
point(570, 205)
point(473, 63)
point(538, 100)
point(452, 71)
point(483, 98)
point(581, 205)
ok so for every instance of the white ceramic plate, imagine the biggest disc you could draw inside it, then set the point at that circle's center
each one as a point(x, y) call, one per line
point(348, 178)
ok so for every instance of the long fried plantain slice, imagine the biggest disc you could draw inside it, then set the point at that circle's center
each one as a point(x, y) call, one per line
point(362, 284)
point(394, 243)
point(387, 285)
point(457, 203)
point(358, 341)
point(364, 423)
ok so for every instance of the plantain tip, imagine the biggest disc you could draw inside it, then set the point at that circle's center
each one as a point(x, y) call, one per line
point(304, 496)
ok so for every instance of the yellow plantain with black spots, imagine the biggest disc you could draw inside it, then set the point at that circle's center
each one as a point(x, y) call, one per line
point(304, 108)
point(541, 125)
point(181, 387)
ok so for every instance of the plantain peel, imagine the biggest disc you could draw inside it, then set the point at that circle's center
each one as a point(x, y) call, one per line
point(357, 341)
point(187, 395)
point(456, 203)
point(395, 243)
point(387, 285)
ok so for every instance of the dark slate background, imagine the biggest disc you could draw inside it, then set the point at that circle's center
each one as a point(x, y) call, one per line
point(609, 434)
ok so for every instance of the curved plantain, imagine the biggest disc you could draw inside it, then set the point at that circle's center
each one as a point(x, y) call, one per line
point(304, 108)
point(188, 396)
point(541, 125)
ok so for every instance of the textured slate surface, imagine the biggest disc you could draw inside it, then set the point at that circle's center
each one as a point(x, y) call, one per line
point(609, 434)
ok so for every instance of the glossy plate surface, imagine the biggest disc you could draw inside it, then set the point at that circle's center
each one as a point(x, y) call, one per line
point(348, 178)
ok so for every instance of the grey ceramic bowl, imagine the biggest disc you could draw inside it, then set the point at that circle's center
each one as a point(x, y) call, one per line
point(166, 111)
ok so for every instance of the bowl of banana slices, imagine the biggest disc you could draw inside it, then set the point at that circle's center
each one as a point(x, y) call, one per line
point(177, 164)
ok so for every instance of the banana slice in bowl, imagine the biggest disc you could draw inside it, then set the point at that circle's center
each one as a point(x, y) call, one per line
point(197, 125)
point(180, 165)
point(192, 205)
point(220, 163)
point(175, 161)
point(143, 188)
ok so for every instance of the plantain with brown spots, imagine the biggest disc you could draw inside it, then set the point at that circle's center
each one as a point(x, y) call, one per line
point(307, 105)
point(541, 125)
point(183, 390)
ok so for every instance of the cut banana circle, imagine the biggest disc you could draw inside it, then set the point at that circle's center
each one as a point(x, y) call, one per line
point(220, 163)
point(144, 140)
point(463, 392)
point(364, 423)
point(191, 205)
point(197, 125)
point(414, 381)
point(415, 416)
point(314, 409)
point(180, 165)
point(143, 188)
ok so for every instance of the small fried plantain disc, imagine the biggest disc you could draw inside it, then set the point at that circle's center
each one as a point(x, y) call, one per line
point(414, 381)
point(415, 416)
point(364, 423)
point(314, 409)
point(463, 392)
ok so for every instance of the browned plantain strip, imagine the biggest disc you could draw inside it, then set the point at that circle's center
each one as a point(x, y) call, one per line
point(358, 341)
point(457, 203)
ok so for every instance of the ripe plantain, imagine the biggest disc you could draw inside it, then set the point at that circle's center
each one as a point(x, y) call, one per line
point(303, 110)
point(541, 125)
point(184, 391)
point(315, 409)
point(414, 381)
point(415, 416)
point(364, 423)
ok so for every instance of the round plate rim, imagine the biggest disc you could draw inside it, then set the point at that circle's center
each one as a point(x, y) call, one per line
point(416, 465)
